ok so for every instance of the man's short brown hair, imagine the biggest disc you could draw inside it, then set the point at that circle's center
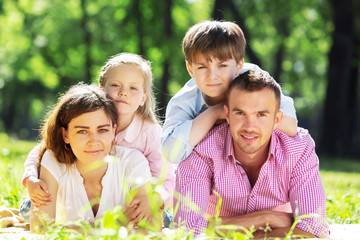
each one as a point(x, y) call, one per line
point(256, 80)
point(218, 39)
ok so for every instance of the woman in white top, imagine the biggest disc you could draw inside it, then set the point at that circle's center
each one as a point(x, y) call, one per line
point(85, 173)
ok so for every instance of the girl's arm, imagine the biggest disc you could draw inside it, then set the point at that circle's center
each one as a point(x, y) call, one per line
point(44, 212)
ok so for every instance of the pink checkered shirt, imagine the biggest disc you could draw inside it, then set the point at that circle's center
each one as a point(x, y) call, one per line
point(290, 174)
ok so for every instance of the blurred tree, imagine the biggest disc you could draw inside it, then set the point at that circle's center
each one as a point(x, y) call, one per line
point(48, 45)
point(339, 127)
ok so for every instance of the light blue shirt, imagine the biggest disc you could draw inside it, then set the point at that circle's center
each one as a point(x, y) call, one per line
point(186, 105)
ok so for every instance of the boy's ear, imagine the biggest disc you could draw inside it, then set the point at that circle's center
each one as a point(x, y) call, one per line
point(189, 69)
point(65, 136)
point(239, 66)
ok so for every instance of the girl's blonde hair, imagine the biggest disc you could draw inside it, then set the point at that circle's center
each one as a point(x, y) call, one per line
point(147, 111)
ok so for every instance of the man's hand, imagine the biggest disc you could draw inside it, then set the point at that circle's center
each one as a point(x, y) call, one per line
point(38, 191)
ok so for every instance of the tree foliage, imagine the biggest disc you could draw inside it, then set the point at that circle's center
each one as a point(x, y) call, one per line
point(46, 46)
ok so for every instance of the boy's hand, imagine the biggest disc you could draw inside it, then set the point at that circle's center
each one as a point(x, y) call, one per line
point(38, 191)
point(219, 112)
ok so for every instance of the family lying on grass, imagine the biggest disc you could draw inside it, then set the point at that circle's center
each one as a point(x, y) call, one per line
point(230, 129)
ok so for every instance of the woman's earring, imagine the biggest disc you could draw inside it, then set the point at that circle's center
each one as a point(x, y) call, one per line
point(67, 146)
point(113, 148)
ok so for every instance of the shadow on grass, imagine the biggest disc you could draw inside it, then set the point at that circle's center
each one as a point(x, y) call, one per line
point(340, 164)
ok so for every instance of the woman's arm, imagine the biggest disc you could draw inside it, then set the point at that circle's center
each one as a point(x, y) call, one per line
point(44, 212)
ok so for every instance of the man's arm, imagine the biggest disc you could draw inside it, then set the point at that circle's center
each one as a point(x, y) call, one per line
point(281, 233)
point(192, 192)
point(307, 194)
point(279, 222)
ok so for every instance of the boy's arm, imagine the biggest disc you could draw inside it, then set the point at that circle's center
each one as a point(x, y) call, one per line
point(31, 164)
point(177, 144)
point(204, 122)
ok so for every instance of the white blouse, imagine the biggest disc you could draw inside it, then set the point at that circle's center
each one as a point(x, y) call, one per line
point(128, 170)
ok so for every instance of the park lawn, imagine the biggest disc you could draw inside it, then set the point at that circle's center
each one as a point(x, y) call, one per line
point(341, 180)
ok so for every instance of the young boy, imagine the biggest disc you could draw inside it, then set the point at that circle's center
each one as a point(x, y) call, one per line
point(214, 53)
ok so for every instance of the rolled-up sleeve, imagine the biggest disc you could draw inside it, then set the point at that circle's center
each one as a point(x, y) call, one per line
point(192, 192)
point(307, 194)
point(287, 106)
point(176, 132)
point(31, 164)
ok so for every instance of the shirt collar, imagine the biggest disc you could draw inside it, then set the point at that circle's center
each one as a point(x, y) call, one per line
point(229, 150)
point(273, 143)
point(130, 133)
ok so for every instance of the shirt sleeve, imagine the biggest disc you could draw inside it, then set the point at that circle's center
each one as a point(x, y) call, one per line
point(30, 164)
point(176, 131)
point(307, 194)
point(160, 168)
point(193, 188)
point(137, 171)
point(49, 162)
point(287, 106)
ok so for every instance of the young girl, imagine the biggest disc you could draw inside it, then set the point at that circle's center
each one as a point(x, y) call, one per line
point(77, 138)
point(127, 80)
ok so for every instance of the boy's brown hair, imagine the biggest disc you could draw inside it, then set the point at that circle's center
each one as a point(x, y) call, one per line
point(218, 39)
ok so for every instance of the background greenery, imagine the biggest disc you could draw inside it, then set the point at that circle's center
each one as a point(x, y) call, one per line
point(312, 47)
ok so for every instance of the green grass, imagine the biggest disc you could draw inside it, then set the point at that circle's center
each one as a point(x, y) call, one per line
point(341, 178)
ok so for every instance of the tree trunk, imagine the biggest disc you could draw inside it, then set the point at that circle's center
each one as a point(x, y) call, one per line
point(339, 104)
point(166, 65)
point(87, 42)
point(218, 14)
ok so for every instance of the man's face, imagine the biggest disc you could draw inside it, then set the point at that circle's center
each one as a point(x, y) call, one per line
point(252, 117)
point(213, 76)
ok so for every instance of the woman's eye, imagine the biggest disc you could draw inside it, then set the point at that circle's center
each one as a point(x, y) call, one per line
point(81, 131)
point(103, 130)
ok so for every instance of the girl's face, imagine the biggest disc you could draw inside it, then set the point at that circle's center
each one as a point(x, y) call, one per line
point(125, 86)
point(90, 136)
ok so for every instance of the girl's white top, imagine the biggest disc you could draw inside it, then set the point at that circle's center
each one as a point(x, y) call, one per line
point(128, 170)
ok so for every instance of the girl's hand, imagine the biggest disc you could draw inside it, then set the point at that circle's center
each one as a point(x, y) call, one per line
point(138, 209)
point(38, 191)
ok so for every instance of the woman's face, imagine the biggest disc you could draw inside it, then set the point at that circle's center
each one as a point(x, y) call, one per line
point(90, 136)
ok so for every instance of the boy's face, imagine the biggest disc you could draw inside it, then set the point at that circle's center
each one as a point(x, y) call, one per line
point(213, 76)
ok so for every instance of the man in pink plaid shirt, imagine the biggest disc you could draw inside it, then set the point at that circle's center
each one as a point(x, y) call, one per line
point(263, 177)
